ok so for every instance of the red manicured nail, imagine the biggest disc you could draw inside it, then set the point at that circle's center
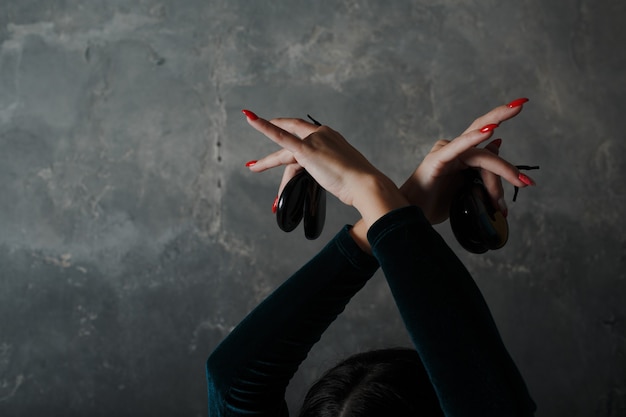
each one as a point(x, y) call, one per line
point(275, 205)
point(517, 103)
point(251, 163)
point(497, 143)
point(525, 179)
point(250, 115)
point(488, 128)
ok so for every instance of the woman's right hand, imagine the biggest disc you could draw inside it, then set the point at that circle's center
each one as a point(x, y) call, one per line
point(437, 179)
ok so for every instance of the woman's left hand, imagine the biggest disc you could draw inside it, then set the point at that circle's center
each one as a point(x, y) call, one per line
point(335, 164)
point(297, 128)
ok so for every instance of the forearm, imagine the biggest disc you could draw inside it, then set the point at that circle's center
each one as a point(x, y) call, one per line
point(448, 319)
point(249, 371)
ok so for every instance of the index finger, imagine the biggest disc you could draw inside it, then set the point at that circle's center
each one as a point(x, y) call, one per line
point(499, 114)
point(278, 135)
point(298, 127)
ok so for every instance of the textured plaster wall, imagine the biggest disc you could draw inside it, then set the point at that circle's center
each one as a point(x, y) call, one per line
point(132, 239)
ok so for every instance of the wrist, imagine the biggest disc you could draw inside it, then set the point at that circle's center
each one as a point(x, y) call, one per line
point(378, 196)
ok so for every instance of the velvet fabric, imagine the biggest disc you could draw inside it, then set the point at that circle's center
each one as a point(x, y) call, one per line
point(442, 308)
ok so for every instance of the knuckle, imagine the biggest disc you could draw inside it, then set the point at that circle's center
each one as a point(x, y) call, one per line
point(479, 120)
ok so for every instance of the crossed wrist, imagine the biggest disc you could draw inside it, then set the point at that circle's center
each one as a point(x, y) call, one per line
point(378, 195)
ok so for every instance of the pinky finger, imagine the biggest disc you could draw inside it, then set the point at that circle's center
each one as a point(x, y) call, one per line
point(493, 182)
point(290, 171)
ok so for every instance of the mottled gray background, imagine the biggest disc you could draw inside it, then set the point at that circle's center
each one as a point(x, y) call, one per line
point(132, 238)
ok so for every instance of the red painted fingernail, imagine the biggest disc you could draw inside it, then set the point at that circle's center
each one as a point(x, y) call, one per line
point(250, 115)
point(497, 143)
point(488, 128)
point(275, 205)
point(525, 179)
point(251, 163)
point(517, 103)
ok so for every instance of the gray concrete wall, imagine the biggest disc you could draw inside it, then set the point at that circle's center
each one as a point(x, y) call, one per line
point(132, 238)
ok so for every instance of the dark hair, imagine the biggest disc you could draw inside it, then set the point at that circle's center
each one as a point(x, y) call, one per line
point(380, 382)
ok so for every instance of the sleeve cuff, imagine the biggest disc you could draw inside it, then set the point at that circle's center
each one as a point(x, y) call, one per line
point(399, 218)
point(353, 253)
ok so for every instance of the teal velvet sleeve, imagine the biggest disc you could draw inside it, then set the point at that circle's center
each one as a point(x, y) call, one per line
point(443, 310)
point(249, 371)
point(448, 320)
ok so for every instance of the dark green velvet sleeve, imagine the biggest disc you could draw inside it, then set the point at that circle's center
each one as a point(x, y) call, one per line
point(443, 310)
point(448, 320)
point(249, 371)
